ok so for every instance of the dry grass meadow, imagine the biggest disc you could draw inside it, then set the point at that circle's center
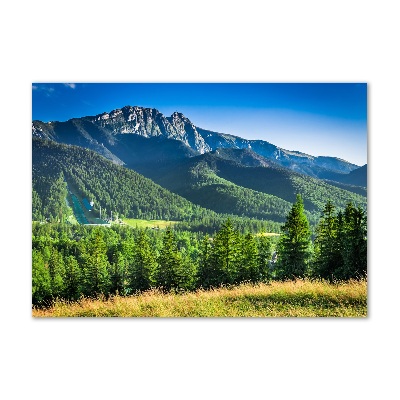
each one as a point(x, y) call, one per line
point(302, 298)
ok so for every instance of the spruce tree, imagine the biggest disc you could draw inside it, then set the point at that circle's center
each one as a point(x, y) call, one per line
point(206, 276)
point(264, 246)
point(294, 247)
point(96, 266)
point(327, 245)
point(41, 280)
point(249, 269)
point(57, 273)
point(354, 244)
point(226, 254)
point(73, 276)
point(170, 272)
point(142, 270)
point(117, 273)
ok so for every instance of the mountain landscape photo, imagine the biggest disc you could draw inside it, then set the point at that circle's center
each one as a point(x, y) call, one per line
point(222, 196)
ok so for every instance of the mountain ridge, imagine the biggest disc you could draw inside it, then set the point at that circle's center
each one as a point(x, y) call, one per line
point(107, 134)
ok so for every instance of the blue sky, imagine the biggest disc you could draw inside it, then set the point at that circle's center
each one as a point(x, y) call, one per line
point(319, 119)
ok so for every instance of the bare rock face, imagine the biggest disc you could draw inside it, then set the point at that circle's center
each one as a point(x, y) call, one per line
point(149, 122)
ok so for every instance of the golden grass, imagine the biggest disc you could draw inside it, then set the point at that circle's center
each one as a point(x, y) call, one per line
point(301, 298)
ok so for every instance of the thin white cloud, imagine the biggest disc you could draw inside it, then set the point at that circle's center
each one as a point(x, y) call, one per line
point(70, 85)
point(45, 89)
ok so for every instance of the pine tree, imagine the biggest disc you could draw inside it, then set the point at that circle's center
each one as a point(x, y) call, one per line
point(294, 247)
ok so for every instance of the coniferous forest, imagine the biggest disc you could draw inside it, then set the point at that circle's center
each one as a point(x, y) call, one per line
point(71, 261)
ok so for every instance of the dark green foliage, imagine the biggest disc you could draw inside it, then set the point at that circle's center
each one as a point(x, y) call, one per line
point(41, 280)
point(118, 274)
point(211, 225)
point(206, 275)
point(226, 252)
point(327, 245)
point(142, 270)
point(294, 248)
point(341, 244)
point(49, 194)
point(354, 244)
point(96, 265)
point(73, 278)
point(249, 269)
point(36, 206)
point(57, 274)
point(264, 247)
point(171, 272)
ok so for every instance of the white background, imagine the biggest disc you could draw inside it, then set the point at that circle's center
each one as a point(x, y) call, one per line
point(177, 41)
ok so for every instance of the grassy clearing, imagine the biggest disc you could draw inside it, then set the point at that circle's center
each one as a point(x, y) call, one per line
point(279, 299)
point(149, 223)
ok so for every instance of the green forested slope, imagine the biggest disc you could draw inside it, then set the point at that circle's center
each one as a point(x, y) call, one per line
point(116, 189)
point(252, 187)
point(109, 185)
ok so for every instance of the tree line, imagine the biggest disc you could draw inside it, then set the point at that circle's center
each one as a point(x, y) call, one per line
point(73, 261)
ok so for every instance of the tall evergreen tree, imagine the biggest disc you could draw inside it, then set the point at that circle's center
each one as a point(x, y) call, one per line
point(96, 267)
point(264, 246)
point(294, 247)
point(142, 270)
point(249, 269)
point(117, 273)
point(327, 245)
point(41, 280)
point(73, 276)
point(206, 276)
point(170, 272)
point(355, 243)
point(57, 273)
point(226, 254)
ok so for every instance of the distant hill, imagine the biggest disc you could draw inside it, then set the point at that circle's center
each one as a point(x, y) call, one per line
point(356, 177)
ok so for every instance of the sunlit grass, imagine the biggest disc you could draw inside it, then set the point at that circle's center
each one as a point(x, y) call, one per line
point(301, 298)
point(148, 223)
